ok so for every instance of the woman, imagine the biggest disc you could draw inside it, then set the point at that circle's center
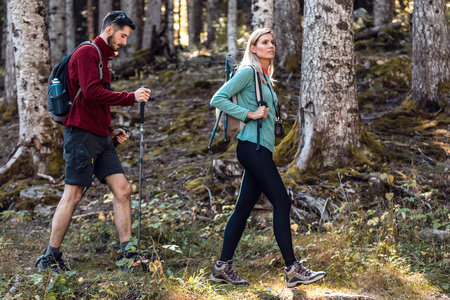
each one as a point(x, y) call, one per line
point(260, 173)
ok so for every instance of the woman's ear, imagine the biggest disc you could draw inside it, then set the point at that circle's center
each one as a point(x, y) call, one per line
point(252, 48)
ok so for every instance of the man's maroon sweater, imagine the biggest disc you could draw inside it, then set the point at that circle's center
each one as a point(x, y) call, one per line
point(91, 110)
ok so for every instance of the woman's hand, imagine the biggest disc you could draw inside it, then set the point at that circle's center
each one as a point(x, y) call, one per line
point(261, 112)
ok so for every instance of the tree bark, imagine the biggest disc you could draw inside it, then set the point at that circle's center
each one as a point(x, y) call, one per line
point(431, 52)
point(328, 115)
point(70, 27)
point(152, 22)
point(104, 7)
point(170, 28)
point(10, 69)
point(37, 139)
point(212, 12)
point(90, 19)
point(195, 21)
point(57, 30)
point(262, 11)
point(231, 28)
point(130, 8)
point(288, 32)
point(383, 11)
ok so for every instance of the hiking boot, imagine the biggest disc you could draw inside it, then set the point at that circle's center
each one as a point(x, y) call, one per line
point(52, 261)
point(130, 262)
point(223, 272)
point(296, 274)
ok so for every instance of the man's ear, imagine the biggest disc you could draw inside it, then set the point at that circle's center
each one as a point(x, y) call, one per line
point(109, 30)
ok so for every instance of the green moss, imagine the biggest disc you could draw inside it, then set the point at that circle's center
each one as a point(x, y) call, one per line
point(394, 74)
point(286, 150)
point(193, 184)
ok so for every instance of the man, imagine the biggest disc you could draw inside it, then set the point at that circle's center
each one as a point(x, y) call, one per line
point(87, 138)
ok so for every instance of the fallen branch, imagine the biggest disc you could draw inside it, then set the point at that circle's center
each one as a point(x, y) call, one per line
point(371, 32)
point(48, 177)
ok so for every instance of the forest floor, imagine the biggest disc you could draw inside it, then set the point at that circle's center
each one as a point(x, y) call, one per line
point(367, 238)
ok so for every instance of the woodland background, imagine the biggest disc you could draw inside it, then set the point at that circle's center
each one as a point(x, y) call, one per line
point(365, 93)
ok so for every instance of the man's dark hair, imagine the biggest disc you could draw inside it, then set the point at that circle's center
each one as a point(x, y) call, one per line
point(119, 19)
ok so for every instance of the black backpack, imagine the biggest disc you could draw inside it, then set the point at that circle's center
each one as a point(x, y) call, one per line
point(60, 72)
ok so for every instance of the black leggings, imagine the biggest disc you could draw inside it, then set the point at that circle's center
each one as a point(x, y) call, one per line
point(260, 176)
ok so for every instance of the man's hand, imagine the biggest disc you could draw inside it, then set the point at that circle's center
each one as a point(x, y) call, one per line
point(121, 134)
point(142, 95)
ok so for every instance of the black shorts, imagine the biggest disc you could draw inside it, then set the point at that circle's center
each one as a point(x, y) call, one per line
point(87, 154)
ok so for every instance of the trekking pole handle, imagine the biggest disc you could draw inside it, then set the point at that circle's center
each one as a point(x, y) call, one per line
point(115, 141)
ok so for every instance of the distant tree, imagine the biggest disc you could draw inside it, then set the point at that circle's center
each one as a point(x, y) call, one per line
point(37, 139)
point(90, 20)
point(10, 70)
point(262, 14)
point(57, 30)
point(431, 52)
point(383, 11)
point(70, 26)
point(130, 8)
point(104, 7)
point(231, 28)
point(328, 116)
point(152, 21)
point(170, 28)
point(195, 21)
point(212, 12)
point(288, 32)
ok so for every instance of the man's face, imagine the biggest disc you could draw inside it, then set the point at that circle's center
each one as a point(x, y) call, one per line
point(119, 38)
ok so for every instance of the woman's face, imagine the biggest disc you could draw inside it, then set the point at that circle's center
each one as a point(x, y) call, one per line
point(265, 47)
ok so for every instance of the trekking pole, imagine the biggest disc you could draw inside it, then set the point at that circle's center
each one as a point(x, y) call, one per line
point(141, 141)
point(115, 143)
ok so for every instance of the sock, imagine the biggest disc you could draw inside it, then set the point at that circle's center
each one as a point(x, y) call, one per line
point(52, 251)
point(123, 246)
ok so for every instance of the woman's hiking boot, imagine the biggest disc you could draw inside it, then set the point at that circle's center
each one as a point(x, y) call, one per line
point(224, 272)
point(297, 274)
point(52, 261)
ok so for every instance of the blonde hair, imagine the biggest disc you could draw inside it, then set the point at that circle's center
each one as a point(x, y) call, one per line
point(251, 59)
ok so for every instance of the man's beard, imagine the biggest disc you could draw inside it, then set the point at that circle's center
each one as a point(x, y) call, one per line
point(110, 39)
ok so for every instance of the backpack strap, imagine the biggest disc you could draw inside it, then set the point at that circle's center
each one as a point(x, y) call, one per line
point(99, 67)
point(260, 100)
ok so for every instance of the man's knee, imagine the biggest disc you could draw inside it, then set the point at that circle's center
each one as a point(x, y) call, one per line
point(123, 192)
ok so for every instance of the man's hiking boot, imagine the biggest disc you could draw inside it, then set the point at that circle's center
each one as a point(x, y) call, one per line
point(131, 261)
point(224, 272)
point(296, 274)
point(52, 261)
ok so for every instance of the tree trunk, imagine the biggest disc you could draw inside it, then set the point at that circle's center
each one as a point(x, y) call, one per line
point(231, 28)
point(431, 52)
point(37, 140)
point(104, 7)
point(152, 22)
point(262, 11)
point(383, 11)
point(212, 12)
point(328, 115)
point(57, 30)
point(10, 69)
point(288, 33)
point(130, 8)
point(170, 28)
point(90, 19)
point(195, 20)
point(70, 27)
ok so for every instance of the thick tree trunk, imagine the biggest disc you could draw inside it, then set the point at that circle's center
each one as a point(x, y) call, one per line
point(262, 11)
point(328, 114)
point(212, 12)
point(10, 69)
point(36, 138)
point(288, 32)
point(90, 19)
point(383, 11)
point(431, 52)
point(152, 22)
point(195, 21)
point(170, 28)
point(70, 27)
point(130, 8)
point(57, 30)
point(104, 7)
point(231, 28)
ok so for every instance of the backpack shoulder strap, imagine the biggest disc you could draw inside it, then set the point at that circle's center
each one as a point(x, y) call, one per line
point(260, 100)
